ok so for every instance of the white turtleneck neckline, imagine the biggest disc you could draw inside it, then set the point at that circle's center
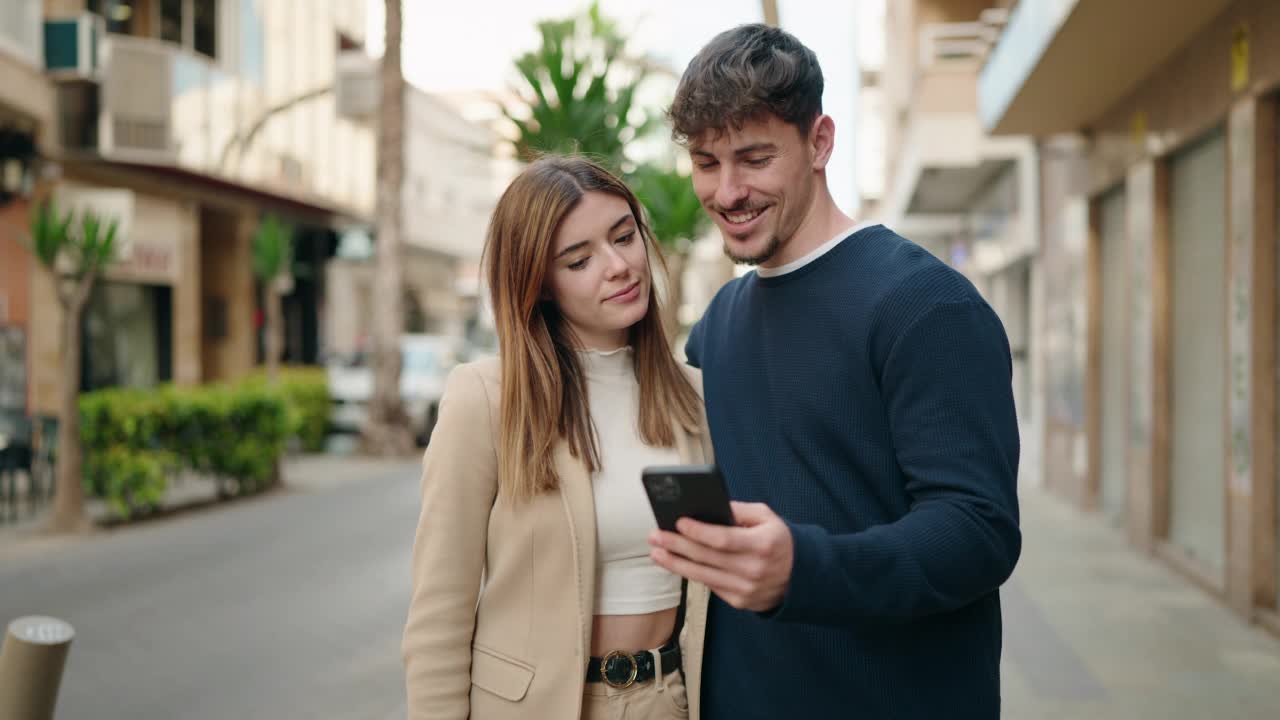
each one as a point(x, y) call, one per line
point(608, 363)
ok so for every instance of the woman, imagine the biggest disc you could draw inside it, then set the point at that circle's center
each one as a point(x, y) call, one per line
point(533, 592)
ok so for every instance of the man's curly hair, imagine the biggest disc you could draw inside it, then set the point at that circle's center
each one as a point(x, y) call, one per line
point(746, 74)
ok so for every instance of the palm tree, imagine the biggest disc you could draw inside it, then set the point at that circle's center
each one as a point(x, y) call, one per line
point(386, 430)
point(272, 257)
point(769, 8)
point(578, 92)
point(74, 254)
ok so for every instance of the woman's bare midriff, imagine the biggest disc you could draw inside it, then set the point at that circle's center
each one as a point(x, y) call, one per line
point(631, 633)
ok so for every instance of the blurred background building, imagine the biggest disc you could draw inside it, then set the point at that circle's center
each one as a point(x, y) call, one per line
point(189, 121)
point(1106, 174)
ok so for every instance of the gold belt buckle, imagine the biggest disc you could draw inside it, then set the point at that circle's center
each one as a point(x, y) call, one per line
point(604, 670)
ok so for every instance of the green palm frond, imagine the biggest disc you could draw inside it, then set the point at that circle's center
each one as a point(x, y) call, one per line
point(50, 232)
point(674, 212)
point(97, 244)
point(271, 250)
point(574, 100)
point(90, 245)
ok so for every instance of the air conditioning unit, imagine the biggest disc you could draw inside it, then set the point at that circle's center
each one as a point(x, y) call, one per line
point(72, 46)
point(356, 89)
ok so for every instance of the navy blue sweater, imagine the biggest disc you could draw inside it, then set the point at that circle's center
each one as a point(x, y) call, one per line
point(866, 399)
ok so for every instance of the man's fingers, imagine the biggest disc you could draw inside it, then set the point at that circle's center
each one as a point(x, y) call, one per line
point(717, 537)
point(689, 547)
point(750, 514)
point(718, 580)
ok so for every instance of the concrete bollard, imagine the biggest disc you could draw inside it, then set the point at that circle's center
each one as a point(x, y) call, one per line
point(31, 661)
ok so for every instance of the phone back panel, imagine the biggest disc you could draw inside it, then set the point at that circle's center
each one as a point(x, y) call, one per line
point(695, 491)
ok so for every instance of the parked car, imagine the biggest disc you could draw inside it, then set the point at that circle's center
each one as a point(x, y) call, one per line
point(426, 362)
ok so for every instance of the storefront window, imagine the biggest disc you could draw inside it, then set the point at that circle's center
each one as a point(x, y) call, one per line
point(171, 21)
point(126, 333)
point(167, 20)
point(206, 27)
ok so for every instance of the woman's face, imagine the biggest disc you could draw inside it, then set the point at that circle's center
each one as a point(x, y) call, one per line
point(599, 274)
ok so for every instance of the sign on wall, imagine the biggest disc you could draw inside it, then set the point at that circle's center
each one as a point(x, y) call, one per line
point(152, 232)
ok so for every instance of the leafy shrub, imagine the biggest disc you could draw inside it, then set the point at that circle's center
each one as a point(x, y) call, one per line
point(306, 393)
point(135, 441)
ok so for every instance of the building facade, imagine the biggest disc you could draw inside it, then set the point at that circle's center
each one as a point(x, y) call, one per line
point(189, 121)
point(27, 132)
point(453, 176)
point(1156, 123)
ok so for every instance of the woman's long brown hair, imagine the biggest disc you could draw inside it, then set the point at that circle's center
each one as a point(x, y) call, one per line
point(544, 389)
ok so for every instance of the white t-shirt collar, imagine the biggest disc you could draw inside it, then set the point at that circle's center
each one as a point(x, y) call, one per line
point(816, 253)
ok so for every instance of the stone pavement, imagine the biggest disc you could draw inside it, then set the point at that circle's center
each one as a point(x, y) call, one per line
point(1094, 629)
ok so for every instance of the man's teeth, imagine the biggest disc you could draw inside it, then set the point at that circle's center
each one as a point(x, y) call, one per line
point(740, 218)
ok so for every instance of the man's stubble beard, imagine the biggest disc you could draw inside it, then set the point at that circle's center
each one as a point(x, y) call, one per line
point(771, 249)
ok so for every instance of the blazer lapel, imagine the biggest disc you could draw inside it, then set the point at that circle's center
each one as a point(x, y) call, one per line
point(580, 511)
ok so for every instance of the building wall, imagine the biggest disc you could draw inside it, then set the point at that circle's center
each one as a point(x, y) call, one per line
point(430, 281)
point(254, 130)
point(451, 178)
point(16, 264)
point(64, 8)
point(164, 251)
point(227, 290)
point(1189, 94)
point(1062, 171)
point(1134, 145)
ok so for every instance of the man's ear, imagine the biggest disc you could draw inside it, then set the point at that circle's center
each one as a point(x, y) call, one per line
point(822, 141)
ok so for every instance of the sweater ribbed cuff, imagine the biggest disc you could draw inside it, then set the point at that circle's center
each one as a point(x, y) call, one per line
point(807, 542)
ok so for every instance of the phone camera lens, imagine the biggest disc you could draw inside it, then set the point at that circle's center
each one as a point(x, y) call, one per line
point(667, 489)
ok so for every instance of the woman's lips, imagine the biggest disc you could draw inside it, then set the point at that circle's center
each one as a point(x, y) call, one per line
point(626, 295)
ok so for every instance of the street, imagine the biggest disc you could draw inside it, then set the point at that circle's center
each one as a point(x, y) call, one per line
point(286, 606)
point(290, 606)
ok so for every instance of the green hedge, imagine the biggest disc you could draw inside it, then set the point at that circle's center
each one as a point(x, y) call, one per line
point(136, 440)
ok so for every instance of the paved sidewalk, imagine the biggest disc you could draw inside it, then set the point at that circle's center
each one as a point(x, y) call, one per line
point(1093, 629)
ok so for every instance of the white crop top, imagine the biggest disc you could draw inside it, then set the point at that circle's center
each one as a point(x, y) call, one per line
point(627, 581)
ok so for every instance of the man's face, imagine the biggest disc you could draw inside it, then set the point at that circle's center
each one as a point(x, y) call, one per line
point(757, 183)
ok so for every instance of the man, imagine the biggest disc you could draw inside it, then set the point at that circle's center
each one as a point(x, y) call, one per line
point(858, 393)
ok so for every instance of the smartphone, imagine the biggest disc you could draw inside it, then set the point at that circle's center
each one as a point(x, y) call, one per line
point(695, 491)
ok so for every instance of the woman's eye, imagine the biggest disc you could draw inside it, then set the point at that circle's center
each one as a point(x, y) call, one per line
point(625, 239)
point(578, 264)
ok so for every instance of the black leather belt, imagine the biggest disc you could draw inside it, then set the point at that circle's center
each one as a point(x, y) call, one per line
point(620, 670)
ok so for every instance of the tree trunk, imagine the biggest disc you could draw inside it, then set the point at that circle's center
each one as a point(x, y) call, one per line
point(769, 8)
point(68, 499)
point(275, 331)
point(386, 430)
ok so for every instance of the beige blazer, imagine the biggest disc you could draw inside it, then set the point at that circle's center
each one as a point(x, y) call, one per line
point(499, 621)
